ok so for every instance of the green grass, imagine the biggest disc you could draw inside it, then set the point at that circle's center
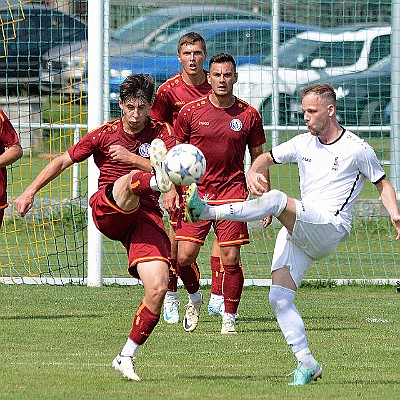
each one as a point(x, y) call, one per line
point(58, 342)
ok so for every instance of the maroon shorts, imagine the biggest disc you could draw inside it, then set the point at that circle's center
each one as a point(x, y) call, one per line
point(229, 233)
point(141, 230)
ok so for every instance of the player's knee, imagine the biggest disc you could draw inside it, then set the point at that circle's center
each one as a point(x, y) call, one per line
point(160, 291)
point(279, 300)
point(186, 258)
point(277, 200)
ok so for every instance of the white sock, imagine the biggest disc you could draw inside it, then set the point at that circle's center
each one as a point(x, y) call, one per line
point(271, 203)
point(305, 357)
point(153, 184)
point(171, 295)
point(227, 316)
point(130, 349)
point(195, 297)
point(289, 319)
point(218, 298)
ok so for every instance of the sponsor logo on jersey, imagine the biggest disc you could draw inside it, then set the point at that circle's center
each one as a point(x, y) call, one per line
point(205, 123)
point(236, 125)
point(336, 164)
point(144, 150)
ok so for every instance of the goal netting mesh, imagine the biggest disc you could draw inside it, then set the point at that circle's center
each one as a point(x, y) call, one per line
point(46, 100)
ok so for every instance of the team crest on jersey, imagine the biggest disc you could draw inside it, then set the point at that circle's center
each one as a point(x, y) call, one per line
point(144, 150)
point(236, 125)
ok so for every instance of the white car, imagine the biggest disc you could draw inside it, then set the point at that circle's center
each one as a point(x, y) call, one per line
point(309, 56)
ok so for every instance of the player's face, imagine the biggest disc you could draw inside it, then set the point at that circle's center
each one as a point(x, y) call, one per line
point(317, 113)
point(192, 57)
point(222, 77)
point(135, 114)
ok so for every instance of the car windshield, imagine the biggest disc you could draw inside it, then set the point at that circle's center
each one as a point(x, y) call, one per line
point(383, 65)
point(299, 53)
point(141, 27)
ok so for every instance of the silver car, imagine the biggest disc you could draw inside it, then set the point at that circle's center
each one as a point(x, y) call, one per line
point(64, 68)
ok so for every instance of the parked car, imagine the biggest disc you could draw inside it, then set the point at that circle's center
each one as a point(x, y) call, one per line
point(30, 30)
point(249, 41)
point(361, 98)
point(388, 113)
point(310, 56)
point(63, 67)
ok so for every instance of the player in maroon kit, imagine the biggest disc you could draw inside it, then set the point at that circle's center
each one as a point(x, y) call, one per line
point(125, 207)
point(190, 84)
point(10, 151)
point(221, 126)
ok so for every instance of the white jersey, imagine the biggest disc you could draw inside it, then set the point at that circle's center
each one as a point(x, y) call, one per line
point(331, 175)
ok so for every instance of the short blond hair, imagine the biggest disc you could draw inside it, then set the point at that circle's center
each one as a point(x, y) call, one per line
point(324, 90)
point(191, 38)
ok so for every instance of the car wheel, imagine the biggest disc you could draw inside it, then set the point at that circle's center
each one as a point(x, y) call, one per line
point(284, 110)
point(373, 113)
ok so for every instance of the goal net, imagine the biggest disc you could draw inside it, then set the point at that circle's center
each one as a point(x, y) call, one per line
point(43, 90)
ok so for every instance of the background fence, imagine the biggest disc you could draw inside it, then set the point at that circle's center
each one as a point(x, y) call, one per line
point(47, 103)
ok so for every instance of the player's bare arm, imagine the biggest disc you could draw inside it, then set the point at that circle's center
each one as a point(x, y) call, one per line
point(256, 152)
point(12, 154)
point(388, 198)
point(25, 201)
point(170, 200)
point(121, 154)
point(258, 175)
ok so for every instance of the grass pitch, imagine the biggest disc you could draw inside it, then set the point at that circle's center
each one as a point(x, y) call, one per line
point(59, 342)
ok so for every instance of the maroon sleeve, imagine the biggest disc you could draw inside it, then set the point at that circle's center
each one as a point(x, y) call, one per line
point(182, 127)
point(257, 136)
point(8, 136)
point(161, 109)
point(168, 136)
point(85, 147)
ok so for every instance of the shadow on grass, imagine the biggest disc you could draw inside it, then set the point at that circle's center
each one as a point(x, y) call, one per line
point(65, 316)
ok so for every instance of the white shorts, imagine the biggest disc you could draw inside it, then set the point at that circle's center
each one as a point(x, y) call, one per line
point(315, 235)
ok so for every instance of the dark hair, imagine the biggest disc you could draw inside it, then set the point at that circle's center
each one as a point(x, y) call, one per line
point(222, 58)
point(324, 90)
point(137, 86)
point(191, 38)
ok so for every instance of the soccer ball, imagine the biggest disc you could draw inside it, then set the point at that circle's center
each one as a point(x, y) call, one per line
point(185, 164)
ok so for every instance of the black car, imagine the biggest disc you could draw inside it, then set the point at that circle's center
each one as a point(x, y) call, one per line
point(27, 32)
point(362, 97)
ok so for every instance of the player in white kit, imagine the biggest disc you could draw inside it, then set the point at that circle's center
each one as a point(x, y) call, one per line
point(333, 166)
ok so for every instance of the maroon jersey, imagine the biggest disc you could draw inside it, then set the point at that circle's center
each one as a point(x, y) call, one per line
point(172, 95)
point(98, 141)
point(222, 135)
point(8, 137)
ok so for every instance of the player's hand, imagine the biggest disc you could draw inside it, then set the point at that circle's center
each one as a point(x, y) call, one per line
point(265, 222)
point(23, 204)
point(170, 200)
point(396, 224)
point(121, 154)
point(257, 183)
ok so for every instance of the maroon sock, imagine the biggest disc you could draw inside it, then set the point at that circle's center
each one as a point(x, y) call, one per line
point(143, 324)
point(217, 274)
point(140, 184)
point(232, 287)
point(190, 276)
point(173, 277)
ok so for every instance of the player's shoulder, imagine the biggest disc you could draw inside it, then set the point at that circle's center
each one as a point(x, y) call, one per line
point(354, 141)
point(2, 115)
point(108, 128)
point(247, 107)
point(160, 125)
point(170, 84)
point(195, 105)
